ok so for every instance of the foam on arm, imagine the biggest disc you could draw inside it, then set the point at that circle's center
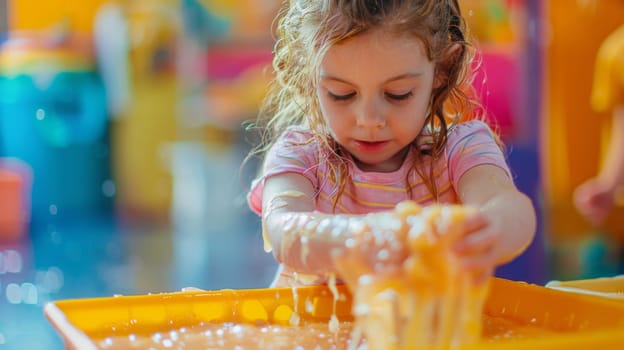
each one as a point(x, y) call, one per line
point(308, 241)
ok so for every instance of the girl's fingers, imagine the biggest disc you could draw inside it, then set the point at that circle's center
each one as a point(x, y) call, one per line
point(477, 242)
point(474, 223)
point(477, 262)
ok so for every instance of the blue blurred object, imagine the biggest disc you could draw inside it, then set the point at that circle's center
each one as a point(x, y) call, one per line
point(598, 258)
point(70, 110)
point(57, 123)
point(532, 265)
point(201, 24)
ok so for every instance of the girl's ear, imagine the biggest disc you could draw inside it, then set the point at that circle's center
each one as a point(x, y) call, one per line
point(454, 51)
point(452, 55)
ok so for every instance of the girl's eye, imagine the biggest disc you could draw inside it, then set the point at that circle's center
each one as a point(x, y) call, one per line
point(399, 97)
point(340, 97)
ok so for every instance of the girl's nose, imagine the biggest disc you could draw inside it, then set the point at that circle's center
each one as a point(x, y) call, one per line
point(371, 115)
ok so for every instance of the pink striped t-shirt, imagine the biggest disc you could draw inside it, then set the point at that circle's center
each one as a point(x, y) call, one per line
point(469, 144)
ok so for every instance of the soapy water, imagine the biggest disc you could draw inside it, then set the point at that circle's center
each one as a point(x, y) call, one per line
point(311, 336)
point(316, 336)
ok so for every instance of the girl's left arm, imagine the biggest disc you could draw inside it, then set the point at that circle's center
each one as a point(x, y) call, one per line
point(505, 223)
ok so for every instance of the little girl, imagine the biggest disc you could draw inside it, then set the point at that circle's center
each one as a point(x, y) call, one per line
point(371, 106)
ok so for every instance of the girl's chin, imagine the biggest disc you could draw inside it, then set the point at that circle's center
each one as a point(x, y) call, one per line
point(379, 163)
point(382, 166)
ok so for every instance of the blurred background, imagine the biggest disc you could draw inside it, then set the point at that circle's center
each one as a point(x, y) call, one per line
point(121, 145)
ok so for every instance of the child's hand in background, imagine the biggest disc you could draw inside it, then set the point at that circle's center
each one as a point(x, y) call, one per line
point(594, 200)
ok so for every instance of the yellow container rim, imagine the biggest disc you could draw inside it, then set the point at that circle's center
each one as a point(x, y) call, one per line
point(606, 287)
point(578, 321)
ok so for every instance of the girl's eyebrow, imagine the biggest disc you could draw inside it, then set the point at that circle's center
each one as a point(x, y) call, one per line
point(395, 78)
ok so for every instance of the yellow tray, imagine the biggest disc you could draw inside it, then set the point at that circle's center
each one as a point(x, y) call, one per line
point(608, 287)
point(577, 321)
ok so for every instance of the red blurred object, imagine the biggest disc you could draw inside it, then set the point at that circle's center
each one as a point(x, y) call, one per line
point(15, 184)
point(497, 85)
point(228, 62)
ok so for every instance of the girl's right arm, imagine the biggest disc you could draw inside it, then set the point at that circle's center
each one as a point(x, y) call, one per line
point(308, 241)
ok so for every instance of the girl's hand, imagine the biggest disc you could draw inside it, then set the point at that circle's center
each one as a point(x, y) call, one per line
point(594, 200)
point(476, 249)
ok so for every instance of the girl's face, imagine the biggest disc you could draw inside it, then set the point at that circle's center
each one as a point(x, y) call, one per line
point(374, 95)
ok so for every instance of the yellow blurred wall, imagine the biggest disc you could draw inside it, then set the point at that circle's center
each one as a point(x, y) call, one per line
point(38, 14)
point(573, 135)
point(141, 135)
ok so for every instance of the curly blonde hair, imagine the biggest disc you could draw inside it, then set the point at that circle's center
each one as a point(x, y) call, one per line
point(307, 29)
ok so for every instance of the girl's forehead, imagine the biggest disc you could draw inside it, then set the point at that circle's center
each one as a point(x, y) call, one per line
point(379, 40)
point(376, 48)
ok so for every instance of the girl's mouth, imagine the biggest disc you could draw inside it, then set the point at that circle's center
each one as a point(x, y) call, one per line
point(370, 146)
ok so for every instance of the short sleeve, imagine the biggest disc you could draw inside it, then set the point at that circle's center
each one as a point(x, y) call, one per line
point(294, 152)
point(471, 144)
point(608, 79)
